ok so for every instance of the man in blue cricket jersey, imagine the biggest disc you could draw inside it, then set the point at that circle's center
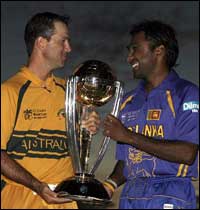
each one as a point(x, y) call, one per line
point(157, 130)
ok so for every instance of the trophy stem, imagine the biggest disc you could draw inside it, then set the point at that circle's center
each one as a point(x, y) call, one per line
point(115, 111)
point(85, 144)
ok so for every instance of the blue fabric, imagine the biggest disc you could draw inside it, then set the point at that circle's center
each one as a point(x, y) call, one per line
point(171, 112)
point(158, 193)
point(151, 115)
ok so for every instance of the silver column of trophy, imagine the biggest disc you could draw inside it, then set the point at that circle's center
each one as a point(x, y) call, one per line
point(92, 85)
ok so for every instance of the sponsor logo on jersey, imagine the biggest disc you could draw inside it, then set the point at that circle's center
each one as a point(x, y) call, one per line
point(191, 105)
point(129, 116)
point(30, 114)
point(153, 114)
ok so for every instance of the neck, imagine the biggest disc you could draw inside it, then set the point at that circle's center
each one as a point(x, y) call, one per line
point(39, 67)
point(156, 79)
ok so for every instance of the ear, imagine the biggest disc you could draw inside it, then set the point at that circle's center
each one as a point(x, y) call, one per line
point(41, 42)
point(160, 50)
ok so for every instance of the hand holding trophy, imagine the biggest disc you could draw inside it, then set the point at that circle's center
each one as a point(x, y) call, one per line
point(91, 86)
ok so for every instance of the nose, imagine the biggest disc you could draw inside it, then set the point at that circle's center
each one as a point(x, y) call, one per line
point(130, 57)
point(68, 47)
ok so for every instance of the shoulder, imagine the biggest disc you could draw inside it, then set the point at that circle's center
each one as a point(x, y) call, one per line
point(185, 88)
point(13, 84)
point(128, 95)
point(127, 98)
point(60, 82)
point(186, 95)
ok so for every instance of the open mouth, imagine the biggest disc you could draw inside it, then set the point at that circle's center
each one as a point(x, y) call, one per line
point(135, 65)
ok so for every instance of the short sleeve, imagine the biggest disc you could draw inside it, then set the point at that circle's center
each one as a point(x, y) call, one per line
point(7, 114)
point(187, 116)
point(120, 148)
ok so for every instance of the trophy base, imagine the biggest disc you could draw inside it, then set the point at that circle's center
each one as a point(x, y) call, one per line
point(87, 191)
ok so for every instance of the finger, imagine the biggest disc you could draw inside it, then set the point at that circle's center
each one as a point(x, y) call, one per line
point(106, 132)
point(111, 117)
point(62, 200)
point(92, 129)
point(90, 122)
point(93, 119)
point(108, 122)
point(89, 126)
point(59, 199)
point(94, 115)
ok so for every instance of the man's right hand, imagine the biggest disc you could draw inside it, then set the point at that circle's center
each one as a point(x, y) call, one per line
point(49, 196)
point(15, 172)
point(110, 192)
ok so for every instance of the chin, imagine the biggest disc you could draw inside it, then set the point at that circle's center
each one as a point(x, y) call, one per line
point(138, 75)
point(61, 65)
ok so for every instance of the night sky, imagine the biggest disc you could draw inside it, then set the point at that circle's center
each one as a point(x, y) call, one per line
point(100, 30)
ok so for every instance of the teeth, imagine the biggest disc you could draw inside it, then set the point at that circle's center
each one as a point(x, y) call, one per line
point(134, 65)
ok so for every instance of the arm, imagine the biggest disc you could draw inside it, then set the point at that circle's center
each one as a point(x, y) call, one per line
point(14, 171)
point(117, 173)
point(9, 167)
point(173, 151)
point(116, 176)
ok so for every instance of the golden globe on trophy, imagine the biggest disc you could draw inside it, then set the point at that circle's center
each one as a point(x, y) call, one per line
point(92, 86)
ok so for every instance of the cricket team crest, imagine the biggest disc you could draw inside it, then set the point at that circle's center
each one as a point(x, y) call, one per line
point(61, 114)
point(137, 163)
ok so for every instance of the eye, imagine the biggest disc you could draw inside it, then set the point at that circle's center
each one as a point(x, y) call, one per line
point(65, 39)
point(131, 48)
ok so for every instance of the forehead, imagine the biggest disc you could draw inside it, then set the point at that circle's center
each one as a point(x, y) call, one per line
point(138, 37)
point(61, 28)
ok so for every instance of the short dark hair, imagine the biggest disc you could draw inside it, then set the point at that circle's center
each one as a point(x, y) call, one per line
point(159, 33)
point(41, 24)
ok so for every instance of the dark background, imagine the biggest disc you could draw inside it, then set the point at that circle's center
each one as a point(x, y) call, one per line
point(100, 30)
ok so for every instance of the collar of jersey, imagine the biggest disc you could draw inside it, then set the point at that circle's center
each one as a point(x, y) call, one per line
point(36, 81)
point(167, 84)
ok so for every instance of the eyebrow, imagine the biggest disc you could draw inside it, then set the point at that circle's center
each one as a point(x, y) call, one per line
point(131, 45)
point(65, 37)
point(68, 38)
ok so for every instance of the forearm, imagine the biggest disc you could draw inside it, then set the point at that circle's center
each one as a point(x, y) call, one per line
point(117, 173)
point(14, 171)
point(174, 151)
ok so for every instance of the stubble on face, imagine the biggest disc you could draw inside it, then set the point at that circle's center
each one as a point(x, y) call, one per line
point(56, 51)
point(142, 60)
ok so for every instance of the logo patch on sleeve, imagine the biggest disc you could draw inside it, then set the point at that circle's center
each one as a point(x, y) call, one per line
point(168, 206)
point(153, 114)
point(191, 105)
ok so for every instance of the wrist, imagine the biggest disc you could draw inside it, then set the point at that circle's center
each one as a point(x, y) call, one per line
point(110, 184)
point(38, 186)
point(130, 137)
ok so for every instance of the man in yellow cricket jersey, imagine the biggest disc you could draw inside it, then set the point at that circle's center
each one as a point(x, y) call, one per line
point(34, 148)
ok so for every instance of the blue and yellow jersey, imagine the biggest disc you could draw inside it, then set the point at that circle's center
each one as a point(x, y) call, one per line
point(33, 128)
point(170, 112)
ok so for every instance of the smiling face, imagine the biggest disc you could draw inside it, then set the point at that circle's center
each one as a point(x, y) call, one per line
point(141, 58)
point(58, 46)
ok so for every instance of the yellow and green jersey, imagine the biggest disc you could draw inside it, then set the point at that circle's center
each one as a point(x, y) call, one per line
point(33, 130)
